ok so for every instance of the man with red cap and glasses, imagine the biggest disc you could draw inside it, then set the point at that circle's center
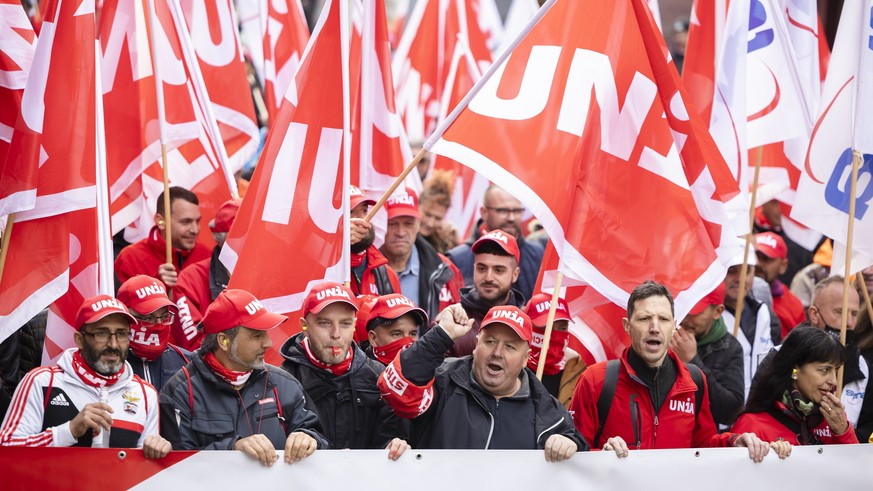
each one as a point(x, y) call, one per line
point(558, 354)
point(370, 272)
point(489, 400)
point(495, 269)
point(152, 357)
point(91, 397)
point(200, 283)
point(338, 378)
point(703, 340)
point(228, 398)
point(393, 324)
point(426, 277)
point(772, 255)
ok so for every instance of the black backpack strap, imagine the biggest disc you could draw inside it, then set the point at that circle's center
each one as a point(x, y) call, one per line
point(383, 283)
point(607, 393)
point(697, 376)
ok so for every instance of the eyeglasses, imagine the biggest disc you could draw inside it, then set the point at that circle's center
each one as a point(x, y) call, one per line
point(164, 319)
point(104, 336)
point(506, 211)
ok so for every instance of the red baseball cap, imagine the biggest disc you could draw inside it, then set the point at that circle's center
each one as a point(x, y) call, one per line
point(356, 197)
point(403, 204)
point(511, 316)
point(716, 297)
point(538, 309)
point(324, 294)
point(771, 245)
point(95, 308)
point(234, 308)
point(501, 238)
point(144, 294)
point(365, 305)
point(394, 306)
point(225, 215)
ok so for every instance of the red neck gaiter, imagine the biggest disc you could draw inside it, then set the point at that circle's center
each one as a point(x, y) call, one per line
point(386, 354)
point(148, 341)
point(555, 355)
point(89, 376)
point(336, 369)
point(234, 378)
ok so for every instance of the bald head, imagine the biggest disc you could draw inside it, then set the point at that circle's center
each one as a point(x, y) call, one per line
point(826, 307)
point(500, 210)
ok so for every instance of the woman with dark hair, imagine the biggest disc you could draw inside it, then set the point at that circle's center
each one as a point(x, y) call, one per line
point(793, 401)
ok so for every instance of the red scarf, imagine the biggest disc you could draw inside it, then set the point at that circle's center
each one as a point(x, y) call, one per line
point(554, 356)
point(89, 376)
point(336, 369)
point(358, 259)
point(148, 341)
point(234, 378)
point(386, 354)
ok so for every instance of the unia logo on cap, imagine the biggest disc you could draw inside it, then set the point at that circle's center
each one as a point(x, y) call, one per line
point(507, 314)
point(767, 240)
point(107, 303)
point(393, 302)
point(497, 235)
point(543, 307)
point(402, 199)
point(153, 289)
point(333, 291)
point(254, 306)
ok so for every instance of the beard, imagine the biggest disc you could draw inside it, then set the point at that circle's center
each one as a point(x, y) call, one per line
point(365, 243)
point(93, 358)
point(256, 364)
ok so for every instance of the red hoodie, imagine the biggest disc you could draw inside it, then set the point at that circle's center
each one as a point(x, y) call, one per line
point(145, 256)
point(367, 284)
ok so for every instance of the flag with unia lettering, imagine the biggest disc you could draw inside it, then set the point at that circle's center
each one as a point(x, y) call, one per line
point(631, 186)
point(285, 38)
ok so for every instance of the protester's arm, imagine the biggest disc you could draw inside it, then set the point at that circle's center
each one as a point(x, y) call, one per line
point(584, 409)
point(22, 426)
point(725, 385)
point(704, 433)
point(176, 420)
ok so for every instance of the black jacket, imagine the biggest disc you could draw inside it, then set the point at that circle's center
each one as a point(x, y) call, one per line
point(349, 407)
point(433, 274)
point(476, 310)
point(722, 363)
point(214, 419)
point(160, 371)
point(865, 419)
point(465, 416)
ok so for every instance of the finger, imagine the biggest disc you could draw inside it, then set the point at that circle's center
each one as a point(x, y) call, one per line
point(568, 451)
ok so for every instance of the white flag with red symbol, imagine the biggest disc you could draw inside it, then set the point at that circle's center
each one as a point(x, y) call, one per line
point(285, 37)
point(17, 45)
point(133, 143)
point(53, 248)
point(293, 218)
point(844, 124)
point(627, 159)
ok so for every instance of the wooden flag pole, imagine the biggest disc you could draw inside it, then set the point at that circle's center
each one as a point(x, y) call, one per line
point(4, 245)
point(742, 295)
point(168, 229)
point(847, 276)
point(862, 285)
point(395, 185)
point(556, 295)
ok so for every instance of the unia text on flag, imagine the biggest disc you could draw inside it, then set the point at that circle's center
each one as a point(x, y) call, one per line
point(844, 125)
point(285, 37)
point(17, 45)
point(291, 231)
point(132, 123)
point(629, 188)
point(53, 249)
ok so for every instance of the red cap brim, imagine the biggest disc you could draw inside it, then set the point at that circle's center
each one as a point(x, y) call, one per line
point(265, 321)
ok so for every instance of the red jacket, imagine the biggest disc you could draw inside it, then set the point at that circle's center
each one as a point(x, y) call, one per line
point(767, 428)
point(788, 309)
point(675, 426)
point(368, 283)
point(192, 296)
point(145, 256)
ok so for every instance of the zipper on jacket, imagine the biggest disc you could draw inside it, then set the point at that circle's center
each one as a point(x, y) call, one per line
point(636, 420)
point(490, 416)
point(432, 290)
point(146, 371)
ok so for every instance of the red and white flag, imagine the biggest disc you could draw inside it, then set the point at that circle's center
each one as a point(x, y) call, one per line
point(17, 45)
point(293, 222)
point(285, 37)
point(701, 53)
point(53, 251)
point(520, 13)
point(614, 114)
point(844, 124)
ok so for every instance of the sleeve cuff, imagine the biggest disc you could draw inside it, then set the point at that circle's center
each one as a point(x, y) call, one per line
point(62, 436)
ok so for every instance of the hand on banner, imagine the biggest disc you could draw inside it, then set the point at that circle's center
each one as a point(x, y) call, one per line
point(684, 344)
point(298, 446)
point(257, 447)
point(782, 448)
point(396, 448)
point(758, 449)
point(156, 447)
point(832, 410)
point(167, 274)
point(359, 228)
point(93, 416)
point(454, 321)
point(559, 447)
point(617, 445)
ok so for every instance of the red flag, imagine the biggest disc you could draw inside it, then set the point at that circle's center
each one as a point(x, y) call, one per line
point(292, 220)
point(53, 248)
point(701, 52)
point(17, 45)
point(285, 39)
point(630, 186)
